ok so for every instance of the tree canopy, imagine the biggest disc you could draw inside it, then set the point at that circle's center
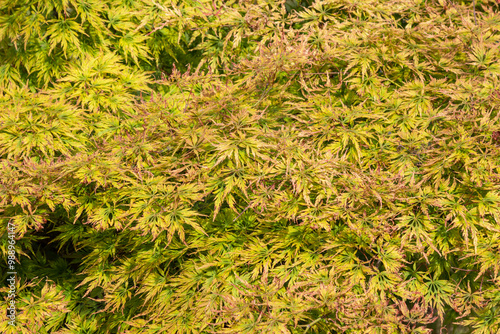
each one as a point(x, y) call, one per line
point(251, 166)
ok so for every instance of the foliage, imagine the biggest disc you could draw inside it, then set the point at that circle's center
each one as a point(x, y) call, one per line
point(40, 39)
point(326, 167)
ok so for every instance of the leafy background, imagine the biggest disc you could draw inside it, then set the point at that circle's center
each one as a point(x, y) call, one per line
point(251, 166)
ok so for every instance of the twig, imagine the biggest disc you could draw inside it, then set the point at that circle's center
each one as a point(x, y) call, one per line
point(474, 11)
point(312, 323)
point(248, 206)
point(158, 28)
point(263, 95)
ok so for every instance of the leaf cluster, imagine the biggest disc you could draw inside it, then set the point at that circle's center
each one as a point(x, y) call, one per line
point(328, 167)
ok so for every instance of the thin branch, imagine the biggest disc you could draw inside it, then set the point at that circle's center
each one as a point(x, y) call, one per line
point(474, 11)
point(312, 323)
point(248, 206)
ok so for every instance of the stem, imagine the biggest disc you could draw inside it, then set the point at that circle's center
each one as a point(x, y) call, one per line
point(312, 323)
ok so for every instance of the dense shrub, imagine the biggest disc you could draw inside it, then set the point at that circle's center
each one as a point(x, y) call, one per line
point(326, 167)
point(40, 39)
